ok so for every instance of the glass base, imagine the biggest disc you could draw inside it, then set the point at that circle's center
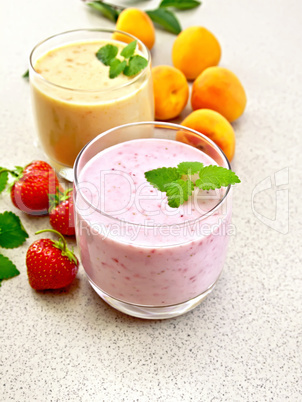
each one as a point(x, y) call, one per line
point(152, 312)
point(63, 171)
point(66, 173)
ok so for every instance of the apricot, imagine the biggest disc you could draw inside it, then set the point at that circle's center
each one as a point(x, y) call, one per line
point(194, 50)
point(219, 89)
point(171, 92)
point(137, 23)
point(213, 125)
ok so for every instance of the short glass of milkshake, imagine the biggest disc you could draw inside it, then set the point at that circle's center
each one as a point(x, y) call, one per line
point(74, 99)
point(141, 256)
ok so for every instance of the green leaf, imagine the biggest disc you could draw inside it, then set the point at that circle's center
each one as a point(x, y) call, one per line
point(106, 53)
point(189, 167)
point(106, 9)
point(166, 19)
point(3, 180)
point(116, 67)
point(12, 232)
point(129, 50)
point(180, 4)
point(7, 268)
point(18, 171)
point(135, 65)
point(178, 192)
point(26, 74)
point(160, 178)
point(211, 177)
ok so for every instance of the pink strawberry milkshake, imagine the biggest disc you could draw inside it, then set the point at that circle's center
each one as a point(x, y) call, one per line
point(133, 246)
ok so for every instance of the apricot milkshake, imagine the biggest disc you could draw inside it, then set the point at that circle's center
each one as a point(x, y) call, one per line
point(134, 248)
point(73, 97)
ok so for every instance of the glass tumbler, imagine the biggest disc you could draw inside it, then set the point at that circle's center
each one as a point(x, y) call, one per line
point(68, 117)
point(146, 269)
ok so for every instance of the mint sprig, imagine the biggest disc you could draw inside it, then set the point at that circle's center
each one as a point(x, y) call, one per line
point(179, 182)
point(130, 66)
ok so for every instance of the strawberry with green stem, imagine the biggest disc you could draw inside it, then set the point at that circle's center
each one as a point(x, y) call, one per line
point(61, 212)
point(50, 264)
point(31, 187)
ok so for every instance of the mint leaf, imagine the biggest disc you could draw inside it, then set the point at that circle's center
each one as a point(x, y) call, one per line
point(129, 50)
point(107, 10)
point(211, 177)
point(160, 178)
point(12, 232)
point(189, 167)
point(116, 67)
point(3, 180)
point(106, 53)
point(178, 192)
point(166, 19)
point(7, 268)
point(180, 4)
point(136, 64)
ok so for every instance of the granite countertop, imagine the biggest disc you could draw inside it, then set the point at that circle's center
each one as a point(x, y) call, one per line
point(243, 343)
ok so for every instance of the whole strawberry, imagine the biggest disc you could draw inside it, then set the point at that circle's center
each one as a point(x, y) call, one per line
point(61, 212)
point(32, 186)
point(50, 264)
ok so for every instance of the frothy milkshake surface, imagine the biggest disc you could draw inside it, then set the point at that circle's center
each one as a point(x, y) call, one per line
point(76, 66)
point(123, 192)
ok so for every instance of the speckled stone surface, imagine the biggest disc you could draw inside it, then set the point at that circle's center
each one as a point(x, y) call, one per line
point(244, 342)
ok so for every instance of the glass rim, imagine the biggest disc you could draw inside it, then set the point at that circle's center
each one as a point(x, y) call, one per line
point(154, 123)
point(92, 91)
